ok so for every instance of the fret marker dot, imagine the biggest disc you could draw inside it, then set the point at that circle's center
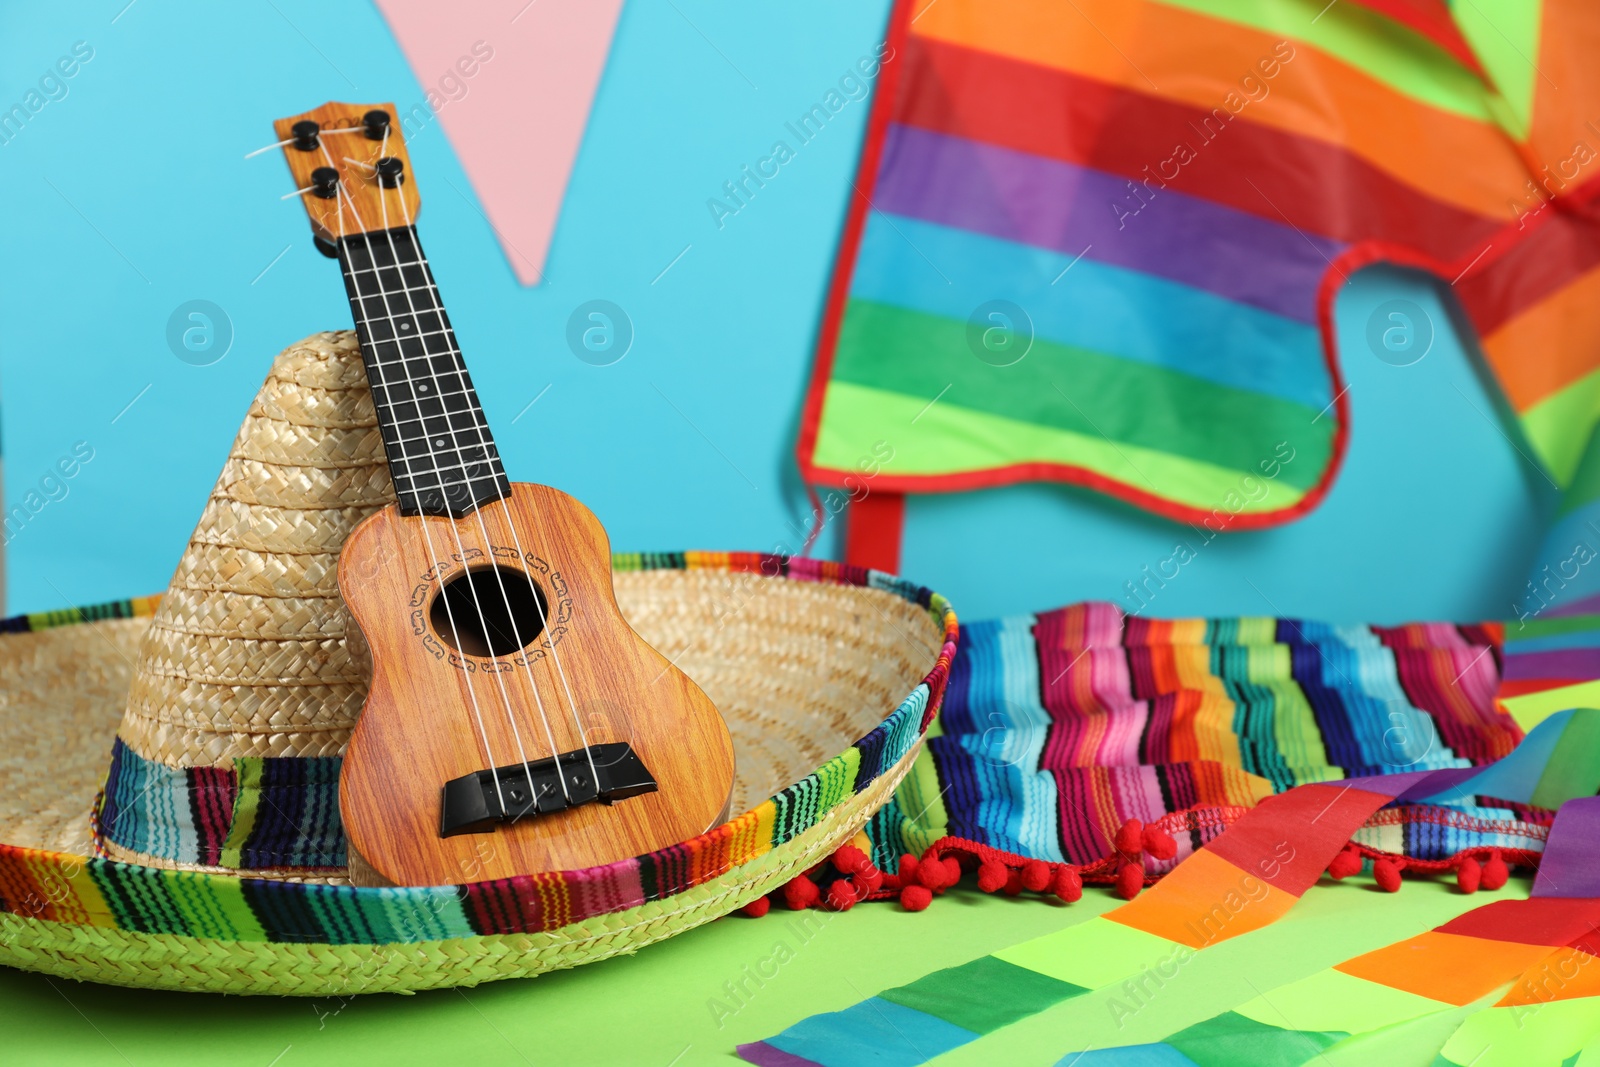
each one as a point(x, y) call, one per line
point(405, 326)
point(439, 443)
point(422, 388)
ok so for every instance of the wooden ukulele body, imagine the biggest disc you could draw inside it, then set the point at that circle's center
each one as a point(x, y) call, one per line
point(433, 709)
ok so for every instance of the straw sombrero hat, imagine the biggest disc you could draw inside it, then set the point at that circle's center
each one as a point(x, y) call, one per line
point(209, 855)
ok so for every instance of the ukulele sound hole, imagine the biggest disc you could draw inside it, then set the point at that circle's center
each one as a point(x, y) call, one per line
point(491, 611)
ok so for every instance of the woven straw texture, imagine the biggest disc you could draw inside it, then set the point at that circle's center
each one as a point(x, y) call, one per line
point(250, 654)
point(61, 692)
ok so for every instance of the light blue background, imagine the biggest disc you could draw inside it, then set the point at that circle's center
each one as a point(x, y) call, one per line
point(685, 443)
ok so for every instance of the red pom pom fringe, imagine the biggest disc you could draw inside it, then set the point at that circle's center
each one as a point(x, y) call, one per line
point(850, 859)
point(920, 879)
point(800, 893)
point(932, 874)
point(1036, 876)
point(1495, 872)
point(841, 897)
point(1346, 863)
point(1158, 844)
point(992, 876)
point(1386, 872)
point(757, 907)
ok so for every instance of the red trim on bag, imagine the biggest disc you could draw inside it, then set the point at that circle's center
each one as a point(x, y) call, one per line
point(873, 529)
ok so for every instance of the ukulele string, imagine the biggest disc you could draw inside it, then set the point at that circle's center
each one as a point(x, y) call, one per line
point(432, 456)
point(433, 556)
point(290, 140)
point(505, 596)
point(544, 626)
point(533, 592)
point(444, 413)
point(268, 148)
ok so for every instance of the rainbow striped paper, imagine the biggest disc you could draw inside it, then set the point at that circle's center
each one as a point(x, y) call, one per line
point(1244, 879)
point(1552, 1012)
point(1550, 935)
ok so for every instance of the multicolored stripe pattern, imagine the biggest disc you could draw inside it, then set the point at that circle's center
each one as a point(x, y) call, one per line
point(913, 1023)
point(98, 892)
point(1565, 579)
point(1552, 641)
point(135, 608)
point(1100, 242)
point(258, 814)
point(1059, 727)
point(1542, 944)
point(1244, 879)
point(1552, 1012)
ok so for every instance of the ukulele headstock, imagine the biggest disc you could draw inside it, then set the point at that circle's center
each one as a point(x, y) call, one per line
point(351, 167)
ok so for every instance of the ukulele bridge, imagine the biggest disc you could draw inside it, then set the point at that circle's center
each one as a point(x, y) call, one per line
point(475, 804)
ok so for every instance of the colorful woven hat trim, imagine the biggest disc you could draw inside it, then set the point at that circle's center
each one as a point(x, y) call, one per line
point(259, 814)
point(98, 892)
point(141, 607)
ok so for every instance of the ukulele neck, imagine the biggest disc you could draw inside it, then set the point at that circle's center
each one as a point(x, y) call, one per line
point(442, 458)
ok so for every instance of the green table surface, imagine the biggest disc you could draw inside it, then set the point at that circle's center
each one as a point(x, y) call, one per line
point(670, 1004)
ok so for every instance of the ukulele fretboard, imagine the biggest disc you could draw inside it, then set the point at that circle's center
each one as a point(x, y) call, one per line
point(441, 455)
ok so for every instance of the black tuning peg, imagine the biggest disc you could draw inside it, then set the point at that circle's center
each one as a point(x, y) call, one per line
point(375, 124)
point(391, 172)
point(305, 135)
point(325, 183)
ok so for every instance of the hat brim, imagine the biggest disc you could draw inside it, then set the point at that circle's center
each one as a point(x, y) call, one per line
point(804, 658)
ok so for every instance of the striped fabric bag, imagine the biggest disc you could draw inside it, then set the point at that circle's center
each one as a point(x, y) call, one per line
point(1060, 727)
point(1100, 242)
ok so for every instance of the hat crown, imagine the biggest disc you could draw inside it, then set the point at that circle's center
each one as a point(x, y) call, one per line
point(251, 675)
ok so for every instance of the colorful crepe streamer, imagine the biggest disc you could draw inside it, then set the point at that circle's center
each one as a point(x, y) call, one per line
point(1242, 880)
point(1448, 967)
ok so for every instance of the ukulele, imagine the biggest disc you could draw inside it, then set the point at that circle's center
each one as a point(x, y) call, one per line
point(515, 722)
